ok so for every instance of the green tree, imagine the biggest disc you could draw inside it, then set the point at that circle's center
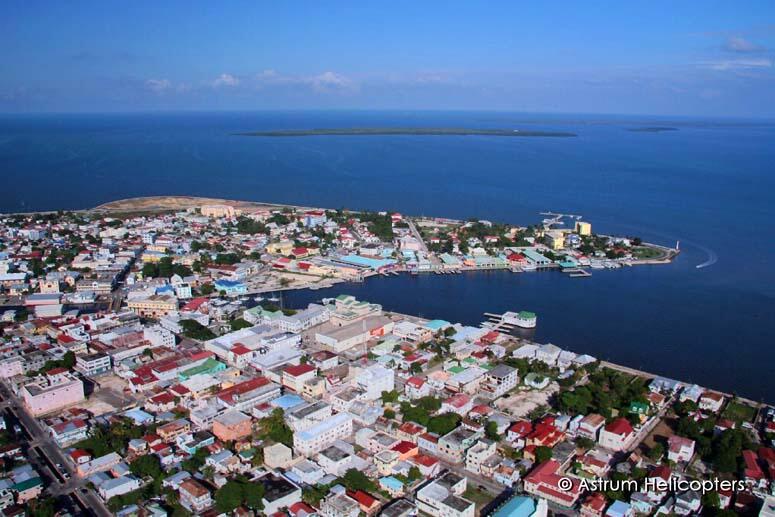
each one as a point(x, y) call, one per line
point(543, 454)
point(354, 479)
point(238, 324)
point(389, 397)
point(147, 465)
point(491, 431)
point(657, 451)
point(444, 423)
point(228, 497)
point(389, 414)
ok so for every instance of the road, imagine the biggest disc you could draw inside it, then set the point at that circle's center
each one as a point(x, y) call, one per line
point(44, 447)
point(417, 235)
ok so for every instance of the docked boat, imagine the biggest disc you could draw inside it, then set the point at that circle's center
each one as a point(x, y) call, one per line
point(522, 319)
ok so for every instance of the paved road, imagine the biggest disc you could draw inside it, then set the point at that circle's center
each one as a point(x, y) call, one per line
point(49, 452)
point(417, 235)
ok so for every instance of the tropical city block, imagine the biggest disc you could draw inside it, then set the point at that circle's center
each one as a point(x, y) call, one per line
point(150, 367)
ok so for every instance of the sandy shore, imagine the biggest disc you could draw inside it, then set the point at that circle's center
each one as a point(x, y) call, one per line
point(150, 203)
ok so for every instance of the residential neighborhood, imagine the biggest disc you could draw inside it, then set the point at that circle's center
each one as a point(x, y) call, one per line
point(149, 367)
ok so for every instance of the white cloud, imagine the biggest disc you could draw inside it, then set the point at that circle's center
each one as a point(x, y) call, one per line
point(226, 80)
point(158, 85)
point(737, 64)
point(741, 45)
point(330, 80)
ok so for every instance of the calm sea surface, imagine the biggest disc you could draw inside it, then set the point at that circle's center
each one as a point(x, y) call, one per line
point(709, 185)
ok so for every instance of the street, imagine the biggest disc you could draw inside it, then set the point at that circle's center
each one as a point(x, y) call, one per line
point(44, 447)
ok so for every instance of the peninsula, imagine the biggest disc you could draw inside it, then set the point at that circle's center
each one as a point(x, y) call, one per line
point(143, 366)
point(408, 131)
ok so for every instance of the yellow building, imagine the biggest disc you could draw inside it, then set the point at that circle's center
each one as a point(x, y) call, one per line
point(154, 306)
point(583, 228)
point(555, 239)
point(283, 247)
point(219, 211)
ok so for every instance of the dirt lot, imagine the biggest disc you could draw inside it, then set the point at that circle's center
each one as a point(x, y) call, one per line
point(521, 403)
point(108, 396)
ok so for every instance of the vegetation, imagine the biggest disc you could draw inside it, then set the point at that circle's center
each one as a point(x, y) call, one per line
point(274, 428)
point(238, 492)
point(379, 225)
point(165, 269)
point(354, 479)
point(606, 391)
point(238, 324)
point(113, 438)
point(195, 330)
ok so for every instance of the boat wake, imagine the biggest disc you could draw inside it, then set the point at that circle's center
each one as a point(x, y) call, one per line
point(712, 257)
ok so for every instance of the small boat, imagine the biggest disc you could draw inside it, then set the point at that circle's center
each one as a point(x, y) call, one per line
point(258, 299)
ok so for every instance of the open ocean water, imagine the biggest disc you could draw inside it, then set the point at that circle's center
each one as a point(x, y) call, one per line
point(708, 184)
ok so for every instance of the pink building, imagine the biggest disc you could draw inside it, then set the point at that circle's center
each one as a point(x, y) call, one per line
point(53, 394)
point(232, 426)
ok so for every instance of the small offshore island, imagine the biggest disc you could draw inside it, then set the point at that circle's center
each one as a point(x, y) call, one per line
point(139, 334)
point(410, 131)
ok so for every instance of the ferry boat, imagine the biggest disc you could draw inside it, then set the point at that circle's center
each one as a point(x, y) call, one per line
point(522, 319)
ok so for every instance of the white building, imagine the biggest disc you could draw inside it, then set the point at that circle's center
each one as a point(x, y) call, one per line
point(321, 435)
point(443, 497)
point(374, 380)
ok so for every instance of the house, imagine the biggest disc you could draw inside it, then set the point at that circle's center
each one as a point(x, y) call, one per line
point(279, 493)
point(322, 434)
point(499, 381)
point(374, 380)
point(118, 486)
point(679, 449)
point(277, 456)
point(477, 455)
point(453, 446)
point(367, 504)
point(339, 504)
point(544, 481)
point(459, 403)
point(594, 505)
point(194, 496)
point(416, 387)
point(232, 425)
point(518, 432)
point(590, 426)
point(295, 376)
point(617, 436)
point(443, 497)
point(711, 401)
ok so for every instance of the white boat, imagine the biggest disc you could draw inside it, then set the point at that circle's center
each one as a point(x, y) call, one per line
point(259, 299)
point(529, 267)
point(522, 319)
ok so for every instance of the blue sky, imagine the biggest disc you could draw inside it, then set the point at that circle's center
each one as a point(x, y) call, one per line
point(701, 58)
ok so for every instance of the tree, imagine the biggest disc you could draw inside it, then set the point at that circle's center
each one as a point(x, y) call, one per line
point(415, 368)
point(543, 454)
point(195, 330)
point(354, 479)
point(228, 497)
point(238, 324)
point(414, 474)
point(274, 428)
point(444, 423)
point(389, 414)
point(657, 451)
point(147, 465)
point(491, 431)
point(389, 397)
